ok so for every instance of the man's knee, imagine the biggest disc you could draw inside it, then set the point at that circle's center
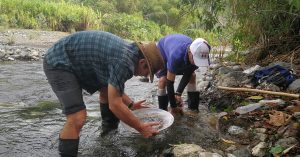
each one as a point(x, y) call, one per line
point(162, 82)
point(103, 97)
point(193, 78)
point(77, 119)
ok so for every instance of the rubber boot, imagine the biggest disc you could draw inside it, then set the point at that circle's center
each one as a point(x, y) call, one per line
point(193, 100)
point(109, 121)
point(163, 102)
point(68, 147)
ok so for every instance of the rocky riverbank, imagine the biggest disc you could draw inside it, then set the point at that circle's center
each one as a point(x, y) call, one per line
point(253, 123)
point(26, 45)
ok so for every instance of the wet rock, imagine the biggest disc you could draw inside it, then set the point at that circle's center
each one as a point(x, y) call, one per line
point(252, 69)
point(231, 148)
point(260, 149)
point(214, 66)
point(224, 70)
point(290, 130)
point(208, 78)
point(187, 150)
point(10, 59)
point(237, 68)
point(242, 152)
point(202, 85)
point(297, 115)
point(218, 152)
point(260, 136)
point(236, 130)
point(287, 142)
point(260, 130)
point(232, 79)
point(268, 86)
point(34, 53)
point(230, 155)
point(295, 86)
point(208, 154)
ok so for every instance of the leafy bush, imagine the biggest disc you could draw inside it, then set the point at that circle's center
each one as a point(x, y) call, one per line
point(43, 14)
point(199, 33)
point(131, 27)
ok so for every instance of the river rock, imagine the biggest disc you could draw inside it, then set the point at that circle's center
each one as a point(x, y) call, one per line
point(287, 142)
point(260, 130)
point(236, 130)
point(202, 85)
point(224, 70)
point(242, 152)
point(295, 86)
point(208, 154)
point(260, 149)
point(187, 150)
point(261, 136)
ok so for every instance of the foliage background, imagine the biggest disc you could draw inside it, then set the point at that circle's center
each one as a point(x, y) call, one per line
point(266, 27)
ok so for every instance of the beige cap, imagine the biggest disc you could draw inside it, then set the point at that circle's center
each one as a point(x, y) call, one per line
point(153, 57)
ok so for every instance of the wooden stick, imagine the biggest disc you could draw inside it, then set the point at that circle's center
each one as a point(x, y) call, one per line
point(260, 91)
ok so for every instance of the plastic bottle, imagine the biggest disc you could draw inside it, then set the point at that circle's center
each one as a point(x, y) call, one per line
point(248, 108)
point(275, 101)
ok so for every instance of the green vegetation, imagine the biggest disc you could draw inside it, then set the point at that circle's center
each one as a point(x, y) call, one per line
point(39, 14)
point(273, 26)
point(276, 150)
point(38, 111)
point(132, 27)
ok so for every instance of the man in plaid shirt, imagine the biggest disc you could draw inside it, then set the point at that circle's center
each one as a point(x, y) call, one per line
point(98, 61)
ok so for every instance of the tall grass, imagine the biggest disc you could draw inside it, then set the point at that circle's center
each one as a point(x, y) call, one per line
point(39, 14)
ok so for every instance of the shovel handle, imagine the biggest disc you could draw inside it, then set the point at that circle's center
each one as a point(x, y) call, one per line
point(259, 91)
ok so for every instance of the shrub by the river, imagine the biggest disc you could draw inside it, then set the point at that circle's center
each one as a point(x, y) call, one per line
point(38, 14)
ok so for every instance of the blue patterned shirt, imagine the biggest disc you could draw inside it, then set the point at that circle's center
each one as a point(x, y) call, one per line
point(96, 58)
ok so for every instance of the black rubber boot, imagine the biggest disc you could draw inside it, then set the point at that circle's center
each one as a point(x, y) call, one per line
point(109, 121)
point(163, 102)
point(68, 147)
point(193, 100)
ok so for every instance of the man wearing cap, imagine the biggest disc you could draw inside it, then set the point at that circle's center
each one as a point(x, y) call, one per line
point(182, 56)
point(98, 61)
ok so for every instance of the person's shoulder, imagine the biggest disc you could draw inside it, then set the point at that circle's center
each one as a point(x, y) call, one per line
point(178, 37)
point(93, 32)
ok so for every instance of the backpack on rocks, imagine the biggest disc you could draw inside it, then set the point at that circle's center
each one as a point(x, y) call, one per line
point(276, 74)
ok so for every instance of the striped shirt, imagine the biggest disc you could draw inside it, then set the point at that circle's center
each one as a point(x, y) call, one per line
point(96, 58)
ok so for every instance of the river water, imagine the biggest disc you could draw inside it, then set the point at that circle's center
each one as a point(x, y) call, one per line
point(30, 120)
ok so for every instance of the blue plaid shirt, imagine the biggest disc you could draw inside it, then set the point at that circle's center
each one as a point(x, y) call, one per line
point(96, 58)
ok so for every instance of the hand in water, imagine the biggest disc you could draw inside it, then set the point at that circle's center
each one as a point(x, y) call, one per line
point(139, 105)
point(147, 129)
point(179, 101)
point(177, 111)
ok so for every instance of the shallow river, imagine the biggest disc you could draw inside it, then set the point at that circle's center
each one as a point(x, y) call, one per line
point(30, 120)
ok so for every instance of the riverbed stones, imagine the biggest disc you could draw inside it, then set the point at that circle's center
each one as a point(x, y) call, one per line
point(287, 142)
point(187, 150)
point(190, 150)
point(260, 149)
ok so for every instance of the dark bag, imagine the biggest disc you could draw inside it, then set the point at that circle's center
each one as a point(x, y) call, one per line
point(277, 75)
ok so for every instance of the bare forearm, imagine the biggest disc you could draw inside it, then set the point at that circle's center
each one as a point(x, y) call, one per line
point(126, 100)
point(120, 109)
point(124, 114)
